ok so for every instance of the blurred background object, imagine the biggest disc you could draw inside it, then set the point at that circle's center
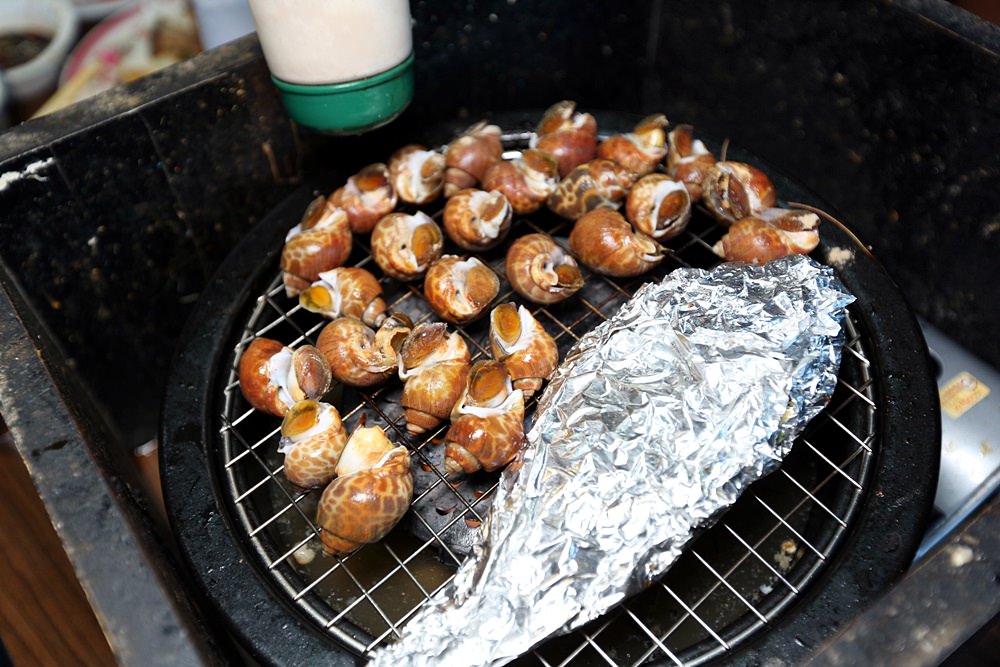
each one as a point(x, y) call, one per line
point(221, 21)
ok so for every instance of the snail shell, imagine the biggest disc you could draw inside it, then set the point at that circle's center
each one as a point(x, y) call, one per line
point(274, 377)
point(404, 245)
point(596, 184)
point(605, 242)
point(569, 137)
point(460, 290)
point(659, 206)
point(469, 155)
point(372, 491)
point(640, 150)
point(417, 174)
point(541, 271)
point(312, 439)
point(688, 159)
point(525, 181)
point(320, 242)
point(487, 428)
point(346, 291)
point(477, 220)
point(523, 346)
point(367, 196)
point(757, 240)
point(358, 356)
point(434, 365)
point(734, 190)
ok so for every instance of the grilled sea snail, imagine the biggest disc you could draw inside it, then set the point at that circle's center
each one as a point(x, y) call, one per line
point(487, 428)
point(274, 377)
point(459, 290)
point(371, 493)
point(734, 190)
point(434, 365)
point(659, 206)
point(367, 196)
point(776, 233)
point(320, 242)
point(541, 271)
point(469, 155)
point(416, 174)
point(346, 291)
point(687, 159)
point(523, 346)
point(404, 245)
point(569, 137)
point(596, 184)
point(477, 220)
point(640, 150)
point(525, 181)
point(605, 242)
point(358, 356)
point(312, 439)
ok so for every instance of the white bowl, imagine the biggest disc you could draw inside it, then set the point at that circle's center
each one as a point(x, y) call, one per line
point(37, 77)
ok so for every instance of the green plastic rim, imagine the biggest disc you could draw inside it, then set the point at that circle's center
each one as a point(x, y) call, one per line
point(351, 107)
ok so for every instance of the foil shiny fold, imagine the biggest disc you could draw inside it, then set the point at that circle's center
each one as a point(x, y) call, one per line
point(653, 424)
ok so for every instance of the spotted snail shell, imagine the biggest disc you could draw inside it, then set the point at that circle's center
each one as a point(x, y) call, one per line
point(541, 271)
point(346, 291)
point(596, 184)
point(404, 245)
point(567, 135)
point(469, 155)
point(367, 196)
point(487, 429)
point(659, 206)
point(523, 346)
point(358, 356)
point(320, 242)
point(434, 365)
point(640, 150)
point(459, 290)
point(605, 242)
point(371, 493)
point(777, 233)
point(417, 174)
point(274, 377)
point(312, 439)
point(526, 181)
point(477, 220)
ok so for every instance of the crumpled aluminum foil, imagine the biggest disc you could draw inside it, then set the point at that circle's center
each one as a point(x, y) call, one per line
point(654, 423)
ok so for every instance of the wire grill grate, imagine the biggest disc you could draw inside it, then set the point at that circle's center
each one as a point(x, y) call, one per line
point(730, 582)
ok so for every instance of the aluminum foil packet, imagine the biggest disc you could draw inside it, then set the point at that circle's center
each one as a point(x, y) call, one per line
point(653, 424)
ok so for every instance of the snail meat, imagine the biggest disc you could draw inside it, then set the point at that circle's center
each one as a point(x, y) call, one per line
point(734, 190)
point(487, 428)
point(688, 159)
point(404, 245)
point(523, 346)
point(605, 242)
point(367, 196)
point(417, 174)
point(477, 220)
point(371, 493)
point(567, 135)
point(541, 271)
point(346, 291)
point(320, 242)
point(273, 377)
point(434, 366)
point(312, 439)
point(460, 290)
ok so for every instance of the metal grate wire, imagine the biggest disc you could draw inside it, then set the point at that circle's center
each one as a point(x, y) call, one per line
point(727, 586)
